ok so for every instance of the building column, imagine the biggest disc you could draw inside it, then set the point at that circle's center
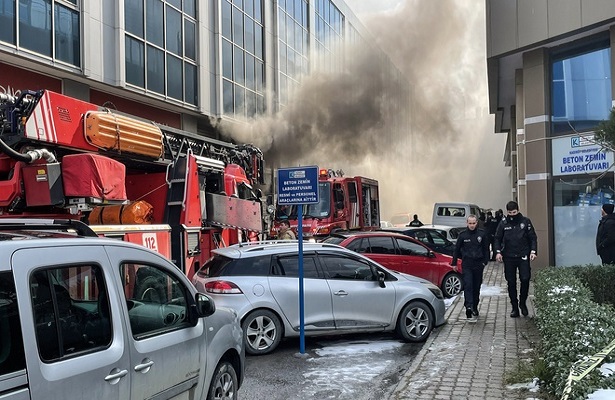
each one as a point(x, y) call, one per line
point(533, 150)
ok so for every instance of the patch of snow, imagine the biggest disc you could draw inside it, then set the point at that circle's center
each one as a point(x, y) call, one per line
point(607, 369)
point(602, 394)
point(486, 290)
point(532, 386)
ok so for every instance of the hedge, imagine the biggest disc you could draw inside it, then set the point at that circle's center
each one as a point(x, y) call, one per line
point(576, 319)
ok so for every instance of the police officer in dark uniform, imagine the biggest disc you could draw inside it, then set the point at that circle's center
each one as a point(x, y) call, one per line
point(516, 244)
point(491, 225)
point(605, 236)
point(473, 249)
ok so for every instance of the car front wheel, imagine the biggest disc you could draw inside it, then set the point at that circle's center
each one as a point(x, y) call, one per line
point(415, 322)
point(452, 285)
point(262, 332)
point(224, 384)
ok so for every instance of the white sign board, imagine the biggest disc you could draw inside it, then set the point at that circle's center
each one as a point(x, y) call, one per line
point(579, 155)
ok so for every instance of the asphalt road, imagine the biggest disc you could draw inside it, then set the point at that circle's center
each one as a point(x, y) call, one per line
point(357, 367)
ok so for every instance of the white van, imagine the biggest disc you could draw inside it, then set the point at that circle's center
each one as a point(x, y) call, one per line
point(453, 214)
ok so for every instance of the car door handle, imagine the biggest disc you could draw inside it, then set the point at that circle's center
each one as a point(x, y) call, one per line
point(341, 293)
point(115, 375)
point(145, 366)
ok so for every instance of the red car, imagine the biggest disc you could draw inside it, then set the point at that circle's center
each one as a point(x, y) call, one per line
point(403, 254)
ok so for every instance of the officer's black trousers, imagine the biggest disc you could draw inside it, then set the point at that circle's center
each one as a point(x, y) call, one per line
point(511, 265)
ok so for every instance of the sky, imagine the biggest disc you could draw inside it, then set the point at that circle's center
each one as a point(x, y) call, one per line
point(346, 121)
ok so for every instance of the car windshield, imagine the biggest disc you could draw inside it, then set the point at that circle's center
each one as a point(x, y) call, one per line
point(333, 240)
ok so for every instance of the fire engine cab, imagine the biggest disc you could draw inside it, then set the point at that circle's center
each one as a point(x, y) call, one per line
point(176, 192)
point(345, 203)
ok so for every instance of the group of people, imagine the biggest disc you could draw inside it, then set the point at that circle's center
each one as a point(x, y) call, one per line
point(514, 243)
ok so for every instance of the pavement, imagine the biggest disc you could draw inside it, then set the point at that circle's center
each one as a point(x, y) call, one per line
point(467, 361)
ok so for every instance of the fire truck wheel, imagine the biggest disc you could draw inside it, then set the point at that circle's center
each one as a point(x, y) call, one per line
point(262, 332)
point(150, 289)
point(452, 285)
point(224, 384)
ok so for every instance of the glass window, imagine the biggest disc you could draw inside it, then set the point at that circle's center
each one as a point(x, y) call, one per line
point(68, 45)
point(260, 77)
point(190, 40)
point(239, 69)
point(35, 25)
point(409, 248)
point(227, 97)
point(341, 267)
point(250, 79)
point(151, 293)
point(174, 77)
point(258, 11)
point(227, 59)
point(191, 87)
point(71, 311)
point(381, 245)
point(581, 90)
point(250, 103)
point(173, 30)
point(258, 41)
point(7, 21)
point(12, 358)
point(133, 10)
point(289, 267)
point(190, 8)
point(226, 19)
point(249, 7)
point(237, 27)
point(155, 22)
point(135, 62)
point(240, 109)
point(249, 45)
point(155, 69)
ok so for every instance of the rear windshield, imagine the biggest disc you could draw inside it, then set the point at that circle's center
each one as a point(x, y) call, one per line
point(224, 266)
point(333, 240)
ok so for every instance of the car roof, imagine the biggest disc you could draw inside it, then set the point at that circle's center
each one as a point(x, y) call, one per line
point(254, 249)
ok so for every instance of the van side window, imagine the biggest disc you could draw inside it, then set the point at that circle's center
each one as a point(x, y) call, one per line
point(156, 300)
point(12, 356)
point(71, 311)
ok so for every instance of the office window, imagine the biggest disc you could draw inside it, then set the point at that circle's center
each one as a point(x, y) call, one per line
point(50, 28)
point(580, 89)
point(167, 30)
point(242, 58)
point(293, 51)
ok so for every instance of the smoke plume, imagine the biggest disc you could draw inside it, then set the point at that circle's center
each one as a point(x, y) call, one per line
point(429, 141)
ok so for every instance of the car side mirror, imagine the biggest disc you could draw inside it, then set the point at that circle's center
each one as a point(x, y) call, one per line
point(204, 304)
point(431, 254)
point(381, 278)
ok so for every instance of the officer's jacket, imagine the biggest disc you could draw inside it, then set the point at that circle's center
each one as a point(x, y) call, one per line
point(516, 237)
point(472, 246)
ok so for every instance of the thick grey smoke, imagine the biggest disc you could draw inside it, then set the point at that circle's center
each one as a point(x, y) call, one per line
point(435, 148)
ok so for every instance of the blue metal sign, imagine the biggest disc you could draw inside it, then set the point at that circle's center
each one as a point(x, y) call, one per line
point(298, 185)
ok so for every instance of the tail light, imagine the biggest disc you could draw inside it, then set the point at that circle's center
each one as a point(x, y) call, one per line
point(222, 287)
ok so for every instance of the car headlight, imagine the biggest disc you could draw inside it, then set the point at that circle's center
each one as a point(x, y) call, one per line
point(435, 290)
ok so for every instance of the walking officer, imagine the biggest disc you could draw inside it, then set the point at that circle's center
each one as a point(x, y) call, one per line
point(516, 244)
point(473, 249)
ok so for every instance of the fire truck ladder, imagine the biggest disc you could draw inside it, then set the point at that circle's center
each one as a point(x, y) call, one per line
point(177, 172)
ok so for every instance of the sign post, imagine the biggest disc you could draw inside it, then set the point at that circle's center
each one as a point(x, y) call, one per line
point(299, 185)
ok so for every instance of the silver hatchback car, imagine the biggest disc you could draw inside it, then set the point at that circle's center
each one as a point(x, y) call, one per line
point(344, 292)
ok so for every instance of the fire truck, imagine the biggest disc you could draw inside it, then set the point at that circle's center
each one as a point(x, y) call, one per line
point(345, 203)
point(176, 192)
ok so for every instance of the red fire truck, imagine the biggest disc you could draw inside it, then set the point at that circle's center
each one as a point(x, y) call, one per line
point(179, 193)
point(345, 203)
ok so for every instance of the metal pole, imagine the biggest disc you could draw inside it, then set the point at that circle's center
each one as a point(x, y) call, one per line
point(301, 299)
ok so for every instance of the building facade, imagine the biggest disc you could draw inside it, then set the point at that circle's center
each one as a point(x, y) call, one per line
point(550, 67)
point(177, 62)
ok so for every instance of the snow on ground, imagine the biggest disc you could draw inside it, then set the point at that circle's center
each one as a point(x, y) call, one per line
point(602, 394)
point(486, 290)
point(533, 386)
point(340, 368)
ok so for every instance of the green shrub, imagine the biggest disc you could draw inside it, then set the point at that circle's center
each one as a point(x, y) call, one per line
point(572, 324)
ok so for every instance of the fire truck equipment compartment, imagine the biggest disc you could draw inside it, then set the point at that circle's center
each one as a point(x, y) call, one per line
point(43, 185)
point(139, 212)
point(110, 131)
point(93, 175)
